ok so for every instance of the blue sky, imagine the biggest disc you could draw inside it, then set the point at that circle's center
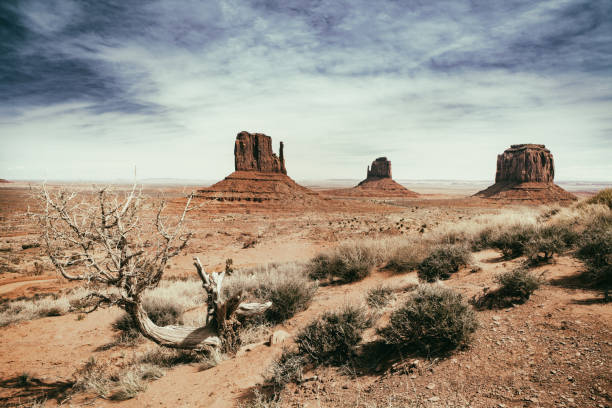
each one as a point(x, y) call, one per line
point(90, 89)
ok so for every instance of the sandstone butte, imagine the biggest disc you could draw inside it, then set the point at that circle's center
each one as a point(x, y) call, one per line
point(260, 175)
point(525, 173)
point(378, 183)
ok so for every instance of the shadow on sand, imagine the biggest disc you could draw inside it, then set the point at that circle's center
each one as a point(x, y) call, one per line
point(30, 389)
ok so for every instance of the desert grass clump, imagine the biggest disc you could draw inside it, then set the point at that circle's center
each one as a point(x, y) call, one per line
point(166, 358)
point(379, 296)
point(349, 262)
point(288, 298)
point(332, 338)
point(602, 197)
point(286, 369)
point(92, 378)
point(434, 320)
point(443, 261)
point(408, 257)
point(260, 400)
point(286, 285)
point(512, 241)
point(29, 309)
point(128, 385)
point(595, 250)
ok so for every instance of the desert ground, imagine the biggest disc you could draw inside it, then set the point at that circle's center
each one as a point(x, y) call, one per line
point(554, 350)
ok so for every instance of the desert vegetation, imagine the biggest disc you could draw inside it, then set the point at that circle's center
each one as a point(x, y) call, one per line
point(442, 261)
point(433, 321)
point(514, 287)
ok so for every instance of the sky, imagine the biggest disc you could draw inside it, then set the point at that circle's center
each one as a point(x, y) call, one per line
point(91, 89)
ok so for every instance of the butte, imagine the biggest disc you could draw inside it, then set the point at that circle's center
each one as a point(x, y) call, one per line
point(378, 183)
point(525, 173)
point(260, 175)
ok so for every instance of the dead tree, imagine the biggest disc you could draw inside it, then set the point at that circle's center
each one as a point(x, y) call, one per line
point(107, 241)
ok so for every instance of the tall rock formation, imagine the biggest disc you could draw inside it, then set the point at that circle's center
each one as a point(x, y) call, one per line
point(260, 176)
point(381, 168)
point(253, 152)
point(378, 183)
point(525, 172)
point(525, 163)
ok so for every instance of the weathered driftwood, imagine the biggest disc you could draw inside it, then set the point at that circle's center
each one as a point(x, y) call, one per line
point(107, 236)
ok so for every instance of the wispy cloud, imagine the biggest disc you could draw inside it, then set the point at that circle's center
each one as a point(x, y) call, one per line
point(440, 87)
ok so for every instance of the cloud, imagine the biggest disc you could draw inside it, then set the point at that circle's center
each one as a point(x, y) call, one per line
point(340, 81)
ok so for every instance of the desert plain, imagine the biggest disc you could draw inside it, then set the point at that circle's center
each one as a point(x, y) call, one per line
point(552, 350)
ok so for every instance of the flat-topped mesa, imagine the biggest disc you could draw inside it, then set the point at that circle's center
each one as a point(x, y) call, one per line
point(523, 163)
point(253, 152)
point(381, 168)
point(525, 173)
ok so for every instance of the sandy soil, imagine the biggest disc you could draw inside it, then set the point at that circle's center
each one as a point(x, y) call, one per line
point(552, 351)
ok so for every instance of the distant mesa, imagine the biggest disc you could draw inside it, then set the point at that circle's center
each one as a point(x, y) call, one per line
point(525, 172)
point(378, 183)
point(4, 181)
point(260, 175)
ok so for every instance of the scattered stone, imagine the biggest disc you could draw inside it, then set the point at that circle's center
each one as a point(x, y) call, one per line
point(431, 386)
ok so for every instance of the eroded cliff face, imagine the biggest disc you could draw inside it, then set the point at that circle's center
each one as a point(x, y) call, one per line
point(253, 152)
point(525, 163)
point(381, 168)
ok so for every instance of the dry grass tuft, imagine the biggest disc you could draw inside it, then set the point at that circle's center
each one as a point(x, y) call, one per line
point(20, 310)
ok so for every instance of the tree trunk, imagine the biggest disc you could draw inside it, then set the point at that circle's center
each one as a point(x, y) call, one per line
point(181, 337)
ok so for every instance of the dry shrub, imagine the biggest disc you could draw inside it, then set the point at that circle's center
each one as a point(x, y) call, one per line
point(512, 241)
point(515, 287)
point(517, 284)
point(286, 369)
point(443, 261)
point(595, 250)
point(332, 337)
point(602, 197)
point(379, 296)
point(433, 321)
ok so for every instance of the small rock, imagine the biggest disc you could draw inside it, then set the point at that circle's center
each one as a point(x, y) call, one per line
point(431, 386)
point(434, 399)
